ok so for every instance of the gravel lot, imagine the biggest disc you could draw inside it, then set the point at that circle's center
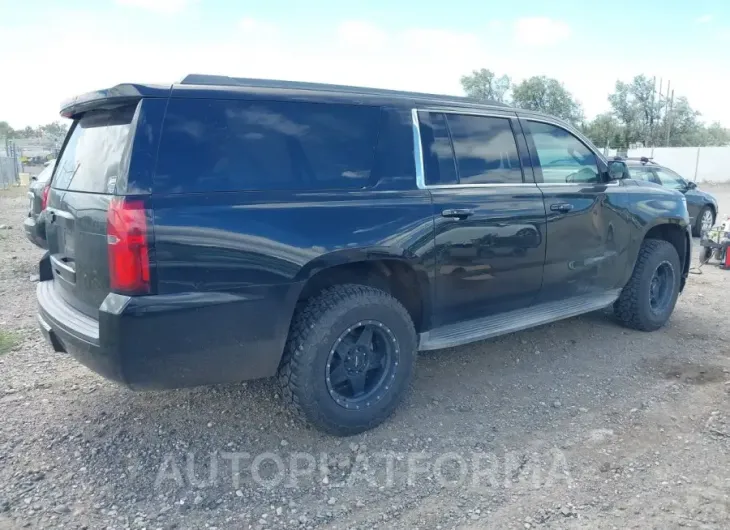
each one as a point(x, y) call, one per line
point(577, 424)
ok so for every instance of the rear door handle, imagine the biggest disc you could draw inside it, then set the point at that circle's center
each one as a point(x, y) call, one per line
point(561, 207)
point(457, 213)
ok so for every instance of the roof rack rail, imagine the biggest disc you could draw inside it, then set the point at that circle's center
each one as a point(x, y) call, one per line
point(642, 159)
point(224, 80)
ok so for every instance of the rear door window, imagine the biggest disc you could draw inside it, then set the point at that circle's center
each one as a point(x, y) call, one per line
point(438, 155)
point(229, 145)
point(485, 149)
point(92, 158)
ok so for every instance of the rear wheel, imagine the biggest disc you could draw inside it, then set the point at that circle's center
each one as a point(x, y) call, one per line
point(648, 299)
point(704, 222)
point(349, 359)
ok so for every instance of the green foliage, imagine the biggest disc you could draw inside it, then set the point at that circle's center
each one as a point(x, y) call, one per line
point(7, 341)
point(486, 86)
point(55, 130)
point(644, 117)
point(604, 130)
point(638, 114)
point(536, 93)
point(547, 95)
point(5, 129)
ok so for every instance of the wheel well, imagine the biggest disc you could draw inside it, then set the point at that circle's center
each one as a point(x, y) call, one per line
point(712, 207)
point(675, 235)
point(392, 276)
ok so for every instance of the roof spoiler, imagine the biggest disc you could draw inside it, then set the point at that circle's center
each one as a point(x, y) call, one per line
point(110, 98)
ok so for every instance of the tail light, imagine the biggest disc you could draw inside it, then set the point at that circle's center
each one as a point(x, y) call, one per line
point(129, 260)
point(44, 196)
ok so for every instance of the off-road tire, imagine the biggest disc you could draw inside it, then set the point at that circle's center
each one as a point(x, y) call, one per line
point(316, 325)
point(633, 307)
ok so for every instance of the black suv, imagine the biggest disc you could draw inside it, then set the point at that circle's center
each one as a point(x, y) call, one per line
point(702, 206)
point(225, 229)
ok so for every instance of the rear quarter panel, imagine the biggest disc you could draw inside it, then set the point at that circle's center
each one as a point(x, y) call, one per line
point(255, 251)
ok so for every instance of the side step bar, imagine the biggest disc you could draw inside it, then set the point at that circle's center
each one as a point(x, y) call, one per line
point(495, 325)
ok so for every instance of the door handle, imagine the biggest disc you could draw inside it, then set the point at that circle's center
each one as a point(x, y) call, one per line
point(457, 213)
point(561, 207)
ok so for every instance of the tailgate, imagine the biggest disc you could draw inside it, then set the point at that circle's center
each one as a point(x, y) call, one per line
point(92, 161)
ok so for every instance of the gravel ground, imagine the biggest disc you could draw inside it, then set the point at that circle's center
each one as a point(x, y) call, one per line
point(577, 424)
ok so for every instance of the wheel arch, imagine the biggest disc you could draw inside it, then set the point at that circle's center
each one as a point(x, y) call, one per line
point(396, 273)
point(674, 233)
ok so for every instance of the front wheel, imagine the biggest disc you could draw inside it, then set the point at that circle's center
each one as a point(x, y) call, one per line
point(705, 221)
point(648, 299)
point(349, 359)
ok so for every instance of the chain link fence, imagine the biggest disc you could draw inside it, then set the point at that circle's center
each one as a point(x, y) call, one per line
point(9, 172)
point(9, 166)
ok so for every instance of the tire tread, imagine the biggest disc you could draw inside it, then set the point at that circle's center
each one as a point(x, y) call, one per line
point(311, 321)
point(627, 307)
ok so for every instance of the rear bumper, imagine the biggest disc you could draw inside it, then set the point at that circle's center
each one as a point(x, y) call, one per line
point(172, 341)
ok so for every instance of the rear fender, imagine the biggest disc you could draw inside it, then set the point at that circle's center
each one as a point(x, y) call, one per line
point(338, 258)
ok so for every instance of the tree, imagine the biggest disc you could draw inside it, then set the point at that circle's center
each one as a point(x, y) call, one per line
point(55, 130)
point(6, 131)
point(547, 95)
point(682, 123)
point(28, 132)
point(486, 86)
point(715, 134)
point(639, 110)
point(604, 131)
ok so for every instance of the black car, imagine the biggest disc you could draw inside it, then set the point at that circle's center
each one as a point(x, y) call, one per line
point(701, 205)
point(225, 229)
point(34, 223)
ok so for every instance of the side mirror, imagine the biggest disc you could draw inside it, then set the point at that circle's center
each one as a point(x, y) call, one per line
point(617, 169)
point(691, 185)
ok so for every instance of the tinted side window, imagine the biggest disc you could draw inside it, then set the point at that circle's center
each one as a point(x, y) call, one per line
point(563, 158)
point(226, 145)
point(438, 157)
point(643, 173)
point(669, 179)
point(485, 150)
point(394, 155)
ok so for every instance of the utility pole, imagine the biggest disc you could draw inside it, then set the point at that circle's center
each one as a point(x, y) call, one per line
point(654, 137)
point(669, 116)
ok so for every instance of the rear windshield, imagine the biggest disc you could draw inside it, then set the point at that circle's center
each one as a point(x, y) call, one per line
point(44, 175)
point(229, 145)
point(92, 158)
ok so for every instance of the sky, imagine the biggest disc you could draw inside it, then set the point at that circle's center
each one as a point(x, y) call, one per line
point(53, 50)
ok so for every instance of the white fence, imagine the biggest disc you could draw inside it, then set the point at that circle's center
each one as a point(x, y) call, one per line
point(701, 164)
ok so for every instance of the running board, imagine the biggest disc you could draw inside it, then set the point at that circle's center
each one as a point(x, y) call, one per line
point(494, 325)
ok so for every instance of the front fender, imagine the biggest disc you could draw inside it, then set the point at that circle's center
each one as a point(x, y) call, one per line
point(656, 213)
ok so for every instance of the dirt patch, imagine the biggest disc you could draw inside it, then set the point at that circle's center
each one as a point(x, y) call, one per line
point(691, 373)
